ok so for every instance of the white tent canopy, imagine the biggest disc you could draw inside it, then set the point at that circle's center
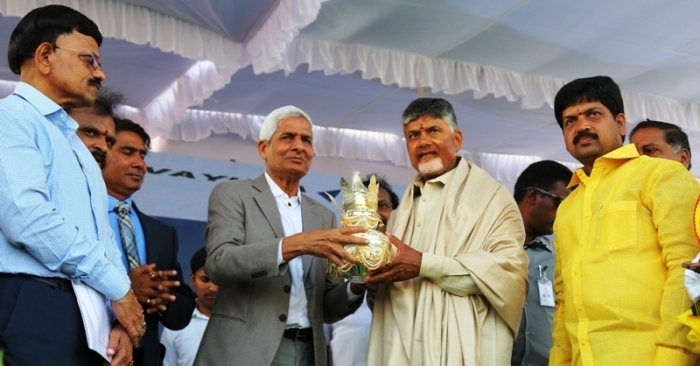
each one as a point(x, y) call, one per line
point(194, 68)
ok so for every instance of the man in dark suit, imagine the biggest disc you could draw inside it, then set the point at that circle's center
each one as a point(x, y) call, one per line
point(267, 250)
point(149, 247)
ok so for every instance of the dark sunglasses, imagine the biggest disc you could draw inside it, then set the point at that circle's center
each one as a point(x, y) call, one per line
point(557, 199)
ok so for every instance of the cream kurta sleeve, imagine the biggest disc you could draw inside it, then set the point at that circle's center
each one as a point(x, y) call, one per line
point(453, 274)
point(449, 274)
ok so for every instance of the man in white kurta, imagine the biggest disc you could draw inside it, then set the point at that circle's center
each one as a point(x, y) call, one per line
point(453, 294)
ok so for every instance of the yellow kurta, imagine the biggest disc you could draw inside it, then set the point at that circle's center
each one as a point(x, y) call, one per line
point(466, 306)
point(620, 239)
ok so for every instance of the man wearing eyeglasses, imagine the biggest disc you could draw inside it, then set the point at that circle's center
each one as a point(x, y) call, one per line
point(54, 231)
point(539, 190)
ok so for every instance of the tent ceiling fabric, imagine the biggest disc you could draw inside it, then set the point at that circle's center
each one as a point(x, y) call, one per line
point(354, 65)
point(236, 20)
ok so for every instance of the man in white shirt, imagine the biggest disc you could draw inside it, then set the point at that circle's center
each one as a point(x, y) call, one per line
point(181, 345)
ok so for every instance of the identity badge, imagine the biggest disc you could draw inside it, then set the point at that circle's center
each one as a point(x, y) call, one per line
point(545, 287)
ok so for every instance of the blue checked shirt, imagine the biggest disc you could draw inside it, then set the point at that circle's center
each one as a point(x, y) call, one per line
point(53, 201)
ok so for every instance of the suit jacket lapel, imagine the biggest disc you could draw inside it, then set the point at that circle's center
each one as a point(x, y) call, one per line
point(148, 236)
point(266, 201)
point(310, 221)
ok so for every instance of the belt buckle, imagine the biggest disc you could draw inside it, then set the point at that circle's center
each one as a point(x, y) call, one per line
point(301, 337)
point(298, 334)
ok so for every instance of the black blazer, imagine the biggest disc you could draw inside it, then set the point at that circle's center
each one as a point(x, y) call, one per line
point(161, 249)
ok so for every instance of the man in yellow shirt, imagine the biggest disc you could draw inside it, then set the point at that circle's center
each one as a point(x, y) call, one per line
point(620, 239)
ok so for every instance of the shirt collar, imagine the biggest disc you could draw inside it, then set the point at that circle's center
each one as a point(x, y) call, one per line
point(112, 202)
point(44, 105)
point(198, 314)
point(626, 152)
point(278, 192)
point(544, 239)
point(41, 102)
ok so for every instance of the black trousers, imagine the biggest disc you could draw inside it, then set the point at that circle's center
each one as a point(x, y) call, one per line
point(40, 325)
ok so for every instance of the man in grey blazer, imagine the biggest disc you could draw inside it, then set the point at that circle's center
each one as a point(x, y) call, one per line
point(267, 250)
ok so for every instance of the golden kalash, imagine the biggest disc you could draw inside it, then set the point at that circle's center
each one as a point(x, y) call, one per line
point(359, 208)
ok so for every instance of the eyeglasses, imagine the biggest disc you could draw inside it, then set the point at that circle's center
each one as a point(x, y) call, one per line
point(557, 199)
point(94, 60)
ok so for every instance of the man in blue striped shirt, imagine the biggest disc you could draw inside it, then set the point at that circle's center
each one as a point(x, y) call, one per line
point(53, 202)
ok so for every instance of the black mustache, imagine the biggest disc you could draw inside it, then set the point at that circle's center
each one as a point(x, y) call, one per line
point(99, 156)
point(583, 134)
point(95, 82)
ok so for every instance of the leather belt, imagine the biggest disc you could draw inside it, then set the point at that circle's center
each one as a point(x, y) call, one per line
point(298, 334)
point(55, 282)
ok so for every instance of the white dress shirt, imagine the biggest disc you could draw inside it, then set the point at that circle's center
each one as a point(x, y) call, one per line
point(349, 338)
point(290, 213)
point(181, 345)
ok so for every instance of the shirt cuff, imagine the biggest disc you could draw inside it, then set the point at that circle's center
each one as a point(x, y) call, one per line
point(109, 280)
point(280, 260)
point(117, 291)
point(352, 297)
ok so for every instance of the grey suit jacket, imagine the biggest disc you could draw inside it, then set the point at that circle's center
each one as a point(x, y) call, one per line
point(249, 315)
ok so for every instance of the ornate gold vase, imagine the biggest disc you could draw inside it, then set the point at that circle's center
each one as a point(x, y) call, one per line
point(359, 208)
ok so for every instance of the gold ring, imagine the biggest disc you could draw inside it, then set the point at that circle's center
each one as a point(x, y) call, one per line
point(152, 274)
point(148, 301)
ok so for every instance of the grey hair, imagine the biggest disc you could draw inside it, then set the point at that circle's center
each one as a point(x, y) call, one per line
point(272, 120)
point(433, 107)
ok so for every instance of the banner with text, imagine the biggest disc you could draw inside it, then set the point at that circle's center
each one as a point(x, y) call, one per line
point(179, 186)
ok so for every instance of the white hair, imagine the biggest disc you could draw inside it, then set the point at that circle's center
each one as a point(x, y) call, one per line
point(269, 125)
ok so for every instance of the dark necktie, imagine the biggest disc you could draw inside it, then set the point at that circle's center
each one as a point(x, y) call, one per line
point(127, 234)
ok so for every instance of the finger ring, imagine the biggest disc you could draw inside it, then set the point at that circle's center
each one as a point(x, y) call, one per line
point(148, 301)
point(152, 274)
